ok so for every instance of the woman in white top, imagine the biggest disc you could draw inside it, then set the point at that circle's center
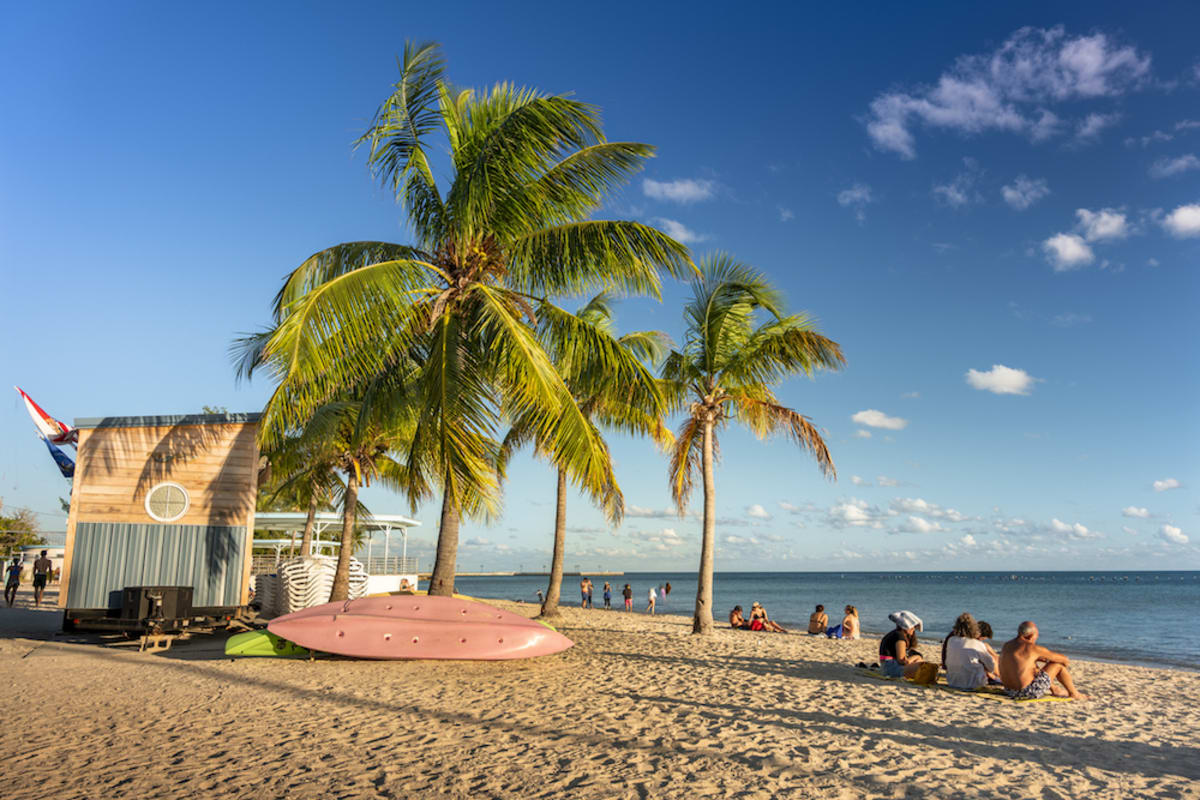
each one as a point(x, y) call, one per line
point(650, 608)
point(967, 659)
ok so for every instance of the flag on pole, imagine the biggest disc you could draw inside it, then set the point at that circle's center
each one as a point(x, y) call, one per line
point(65, 465)
point(50, 428)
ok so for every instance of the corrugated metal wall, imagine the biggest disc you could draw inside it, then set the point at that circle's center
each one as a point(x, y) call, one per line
point(109, 556)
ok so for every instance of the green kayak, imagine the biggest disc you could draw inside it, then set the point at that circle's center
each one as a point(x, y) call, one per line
point(262, 643)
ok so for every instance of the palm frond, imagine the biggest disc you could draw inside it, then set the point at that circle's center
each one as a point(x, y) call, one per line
point(573, 258)
point(763, 415)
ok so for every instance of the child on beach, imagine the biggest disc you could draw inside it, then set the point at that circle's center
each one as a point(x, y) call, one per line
point(608, 595)
point(650, 607)
point(627, 593)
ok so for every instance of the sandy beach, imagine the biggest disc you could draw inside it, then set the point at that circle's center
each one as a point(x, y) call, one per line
point(638, 708)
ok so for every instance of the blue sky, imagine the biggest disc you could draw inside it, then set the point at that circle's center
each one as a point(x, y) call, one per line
point(995, 211)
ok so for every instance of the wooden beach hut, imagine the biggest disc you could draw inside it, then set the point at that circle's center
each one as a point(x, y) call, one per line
point(164, 501)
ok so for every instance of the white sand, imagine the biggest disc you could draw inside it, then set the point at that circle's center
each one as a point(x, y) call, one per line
point(638, 708)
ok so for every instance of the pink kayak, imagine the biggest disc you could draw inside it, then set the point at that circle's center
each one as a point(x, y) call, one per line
point(418, 627)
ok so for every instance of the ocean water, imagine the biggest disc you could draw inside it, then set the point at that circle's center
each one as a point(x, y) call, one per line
point(1150, 618)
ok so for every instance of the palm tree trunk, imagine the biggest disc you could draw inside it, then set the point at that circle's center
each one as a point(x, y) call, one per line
point(341, 578)
point(441, 582)
point(702, 622)
point(554, 590)
point(309, 523)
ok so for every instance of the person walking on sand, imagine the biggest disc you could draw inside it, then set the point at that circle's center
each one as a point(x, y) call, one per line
point(12, 580)
point(627, 593)
point(1028, 670)
point(607, 596)
point(650, 607)
point(41, 574)
point(583, 593)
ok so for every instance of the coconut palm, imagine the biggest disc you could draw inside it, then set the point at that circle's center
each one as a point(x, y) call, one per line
point(508, 230)
point(738, 346)
point(634, 407)
point(301, 473)
point(356, 437)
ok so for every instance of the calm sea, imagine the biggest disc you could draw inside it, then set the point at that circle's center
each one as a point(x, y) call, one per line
point(1132, 617)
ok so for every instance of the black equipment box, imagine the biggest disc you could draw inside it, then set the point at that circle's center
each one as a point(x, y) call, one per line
point(156, 602)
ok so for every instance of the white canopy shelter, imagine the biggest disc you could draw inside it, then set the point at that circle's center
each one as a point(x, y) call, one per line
point(292, 522)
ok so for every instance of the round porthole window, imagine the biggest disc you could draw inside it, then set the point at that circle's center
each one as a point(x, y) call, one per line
point(167, 502)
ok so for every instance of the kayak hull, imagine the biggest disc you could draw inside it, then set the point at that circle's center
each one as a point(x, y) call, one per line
point(416, 627)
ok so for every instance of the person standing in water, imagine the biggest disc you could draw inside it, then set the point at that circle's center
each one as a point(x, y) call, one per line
point(650, 607)
point(627, 593)
point(607, 596)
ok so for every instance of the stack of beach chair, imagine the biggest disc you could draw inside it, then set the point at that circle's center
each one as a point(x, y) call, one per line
point(266, 593)
point(307, 582)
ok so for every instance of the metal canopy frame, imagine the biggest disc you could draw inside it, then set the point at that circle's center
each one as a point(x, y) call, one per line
point(293, 522)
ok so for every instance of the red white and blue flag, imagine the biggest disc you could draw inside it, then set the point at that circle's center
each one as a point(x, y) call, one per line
point(51, 429)
point(65, 465)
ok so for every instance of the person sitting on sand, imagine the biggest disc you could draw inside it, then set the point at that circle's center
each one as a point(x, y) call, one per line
point(737, 621)
point(985, 637)
point(818, 620)
point(966, 659)
point(759, 621)
point(1029, 670)
point(898, 656)
point(850, 627)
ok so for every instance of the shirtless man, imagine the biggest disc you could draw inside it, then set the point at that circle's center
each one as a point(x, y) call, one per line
point(41, 574)
point(1029, 670)
point(736, 620)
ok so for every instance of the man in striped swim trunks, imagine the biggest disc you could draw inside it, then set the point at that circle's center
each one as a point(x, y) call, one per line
point(1029, 670)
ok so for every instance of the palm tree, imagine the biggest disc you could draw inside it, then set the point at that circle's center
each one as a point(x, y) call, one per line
point(302, 473)
point(634, 408)
point(729, 364)
point(509, 230)
point(356, 437)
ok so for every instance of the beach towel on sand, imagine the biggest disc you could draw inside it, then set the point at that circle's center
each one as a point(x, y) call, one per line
point(989, 692)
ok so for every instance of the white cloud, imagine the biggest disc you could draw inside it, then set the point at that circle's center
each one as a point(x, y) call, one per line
point(732, 539)
point(861, 434)
point(1009, 88)
point(683, 190)
point(1102, 225)
point(1168, 167)
point(1183, 221)
point(1091, 125)
point(1129, 530)
point(960, 191)
point(757, 512)
point(857, 197)
point(680, 232)
point(878, 419)
point(1069, 319)
point(1067, 251)
point(968, 540)
point(1165, 484)
point(916, 524)
point(857, 481)
point(1073, 530)
point(1024, 192)
point(1172, 534)
point(884, 480)
point(917, 505)
point(786, 214)
point(911, 395)
point(1001, 380)
point(478, 541)
point(1134, 511)
point(648, 513)
point(855, 514)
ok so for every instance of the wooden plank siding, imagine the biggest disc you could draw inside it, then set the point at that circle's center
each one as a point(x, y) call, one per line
point(118, 466)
